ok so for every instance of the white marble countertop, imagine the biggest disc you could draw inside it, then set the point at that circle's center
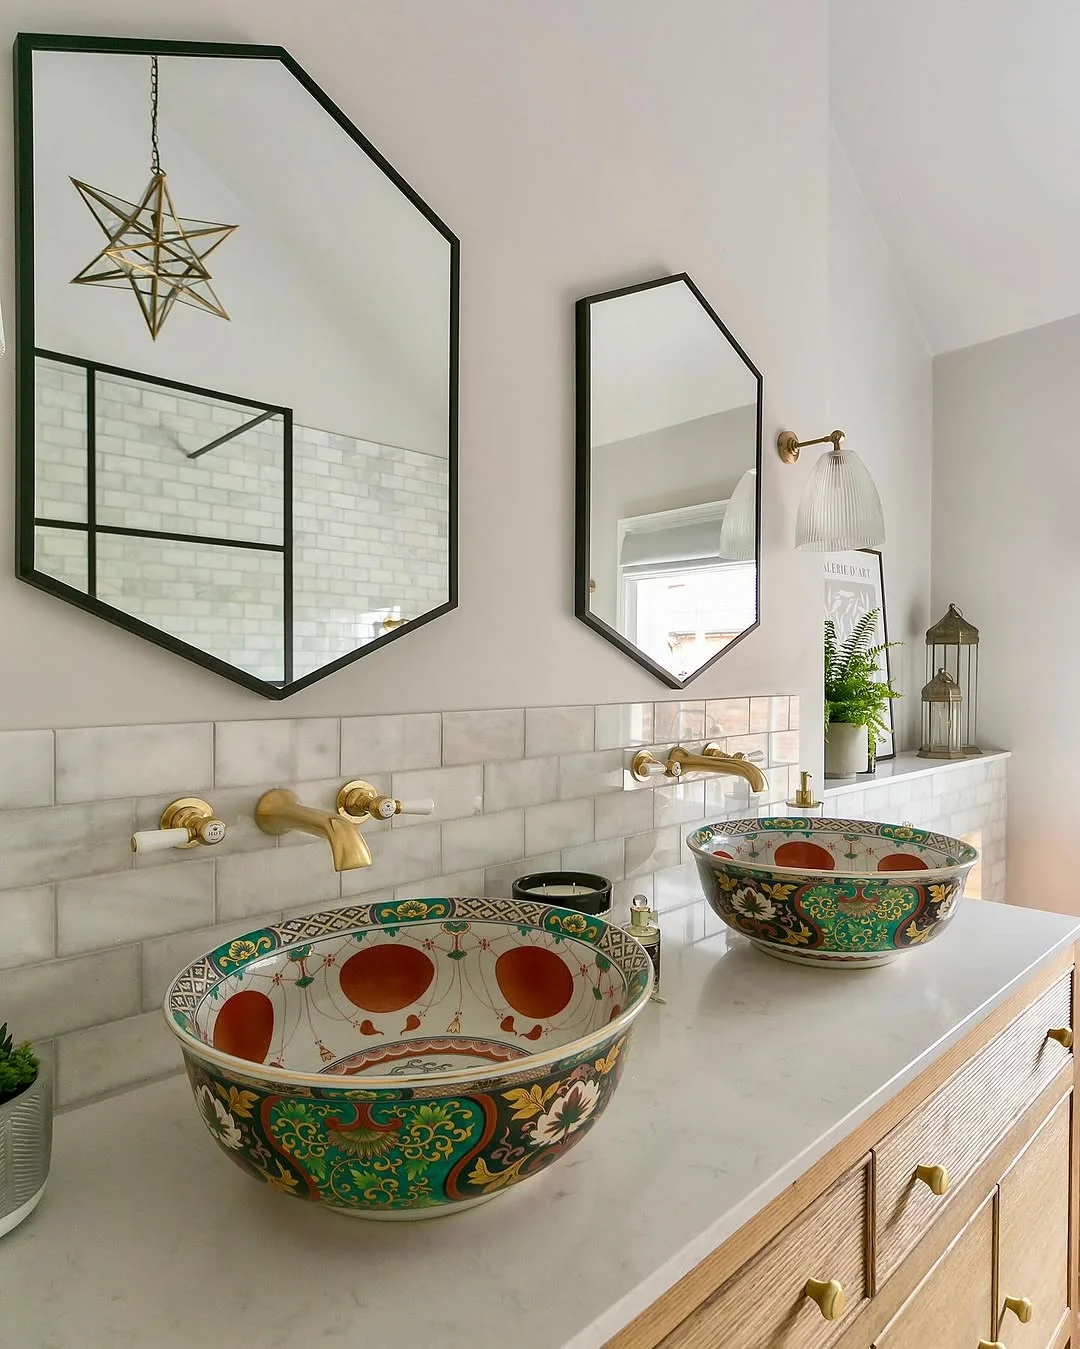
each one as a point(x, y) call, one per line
point(903, 768)
point(148, 1237)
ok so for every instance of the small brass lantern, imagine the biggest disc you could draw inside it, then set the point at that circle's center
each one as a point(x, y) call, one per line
point(952, 645)
point(942, 719)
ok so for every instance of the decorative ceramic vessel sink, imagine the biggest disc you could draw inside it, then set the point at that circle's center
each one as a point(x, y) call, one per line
point(409, 1059)
point(831, 892)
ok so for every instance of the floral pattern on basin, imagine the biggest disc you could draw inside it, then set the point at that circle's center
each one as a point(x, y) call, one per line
point(822, 891)
point(411, 1058)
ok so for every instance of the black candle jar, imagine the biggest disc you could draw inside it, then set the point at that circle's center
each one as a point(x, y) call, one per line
point(580, 890)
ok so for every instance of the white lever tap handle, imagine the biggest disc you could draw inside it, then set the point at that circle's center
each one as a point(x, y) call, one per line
point(159, 840)
point(419, 806)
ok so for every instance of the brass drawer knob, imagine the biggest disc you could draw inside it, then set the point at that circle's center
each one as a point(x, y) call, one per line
point(1020, 1307)
point(934, 1176)
point(1063, 1035)
point(829, 1296)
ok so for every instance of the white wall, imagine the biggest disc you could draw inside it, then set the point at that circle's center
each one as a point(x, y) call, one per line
point(1006, 483)
point(572, 147)
point(881, 395)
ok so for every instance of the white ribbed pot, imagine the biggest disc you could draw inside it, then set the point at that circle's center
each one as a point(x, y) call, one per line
point(25, 1150)
point(847, 750)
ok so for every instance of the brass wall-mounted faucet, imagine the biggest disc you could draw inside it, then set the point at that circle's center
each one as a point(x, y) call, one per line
point(712, 759)
point(279, 812)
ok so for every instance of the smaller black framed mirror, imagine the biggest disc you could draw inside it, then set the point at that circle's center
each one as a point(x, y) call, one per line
point(668, 477)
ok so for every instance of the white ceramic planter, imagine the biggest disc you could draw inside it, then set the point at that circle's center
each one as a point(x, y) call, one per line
point(25, 1150)
point(847, 750)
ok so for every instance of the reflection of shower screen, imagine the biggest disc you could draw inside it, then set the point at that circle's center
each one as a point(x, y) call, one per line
point(273, 547)
point(192, 543)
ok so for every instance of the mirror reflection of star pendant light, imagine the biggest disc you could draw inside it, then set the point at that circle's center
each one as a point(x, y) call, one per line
point(159, 254)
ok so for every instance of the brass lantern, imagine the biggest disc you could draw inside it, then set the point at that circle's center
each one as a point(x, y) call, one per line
point(952, 645)
point(942, 718)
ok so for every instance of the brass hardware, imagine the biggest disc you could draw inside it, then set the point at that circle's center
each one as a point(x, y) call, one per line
point(1063, 1035)
point(279, 812)
point(645, 766)
point(389, 624)
point(936, 1177)
point(991, 1344)
point(788, 444)
point(829, 1297)
point(358, 801)
point(804, 796)
point(1020, 1307)
point(190, 813)
point(713, 759)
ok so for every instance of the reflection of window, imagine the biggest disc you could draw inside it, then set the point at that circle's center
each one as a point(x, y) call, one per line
point(679, 601)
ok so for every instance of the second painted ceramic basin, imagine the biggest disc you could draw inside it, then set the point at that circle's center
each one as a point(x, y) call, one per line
point(407, 1059)
point(831, 892)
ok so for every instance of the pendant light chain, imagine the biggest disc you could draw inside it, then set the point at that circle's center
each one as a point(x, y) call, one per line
point(155, 152)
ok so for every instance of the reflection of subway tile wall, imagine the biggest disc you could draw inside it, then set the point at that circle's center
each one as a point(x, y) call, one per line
point(370, 521)
point(92, 936)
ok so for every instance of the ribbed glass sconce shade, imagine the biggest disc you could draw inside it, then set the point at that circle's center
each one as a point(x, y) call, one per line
point(840, 507)
point(738, 531)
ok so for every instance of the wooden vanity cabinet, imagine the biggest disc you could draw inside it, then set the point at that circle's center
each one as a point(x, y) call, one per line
point(949, 1219)
point(1033, 1237)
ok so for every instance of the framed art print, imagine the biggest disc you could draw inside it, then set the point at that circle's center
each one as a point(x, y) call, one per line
point(854, 587)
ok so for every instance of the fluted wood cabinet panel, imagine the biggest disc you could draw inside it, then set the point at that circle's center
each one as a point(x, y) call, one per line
point(765, 1305)
point(961, 1122)
point(1033, 1235)
point(953, 1306)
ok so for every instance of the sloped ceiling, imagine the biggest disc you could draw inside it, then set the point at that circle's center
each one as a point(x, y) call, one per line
point(962, 122)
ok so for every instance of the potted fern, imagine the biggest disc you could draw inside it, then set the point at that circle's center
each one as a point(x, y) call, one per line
point(25, 1131)
point(856, 697)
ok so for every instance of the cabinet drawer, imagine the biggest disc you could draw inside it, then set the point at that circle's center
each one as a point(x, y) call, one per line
point(1033, 1237)
point(952, 1307)
point(957, 1126)
point(766, 1306)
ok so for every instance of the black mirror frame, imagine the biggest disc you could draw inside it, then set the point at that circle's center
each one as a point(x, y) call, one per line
point(26, 44)
point(584, 473)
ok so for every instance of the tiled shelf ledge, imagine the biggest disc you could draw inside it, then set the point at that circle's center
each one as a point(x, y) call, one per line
point(906, 768)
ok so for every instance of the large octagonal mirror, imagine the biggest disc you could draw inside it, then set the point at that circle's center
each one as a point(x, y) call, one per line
point(668, 453)
point(237, 360)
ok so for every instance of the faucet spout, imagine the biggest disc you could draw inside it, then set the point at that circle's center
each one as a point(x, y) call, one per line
point(714, 760)
point(279, 812)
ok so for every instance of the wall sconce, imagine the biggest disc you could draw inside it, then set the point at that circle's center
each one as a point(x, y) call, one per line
point(840, 507)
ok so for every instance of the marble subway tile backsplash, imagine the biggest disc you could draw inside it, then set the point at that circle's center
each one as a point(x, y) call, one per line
point(92, 935)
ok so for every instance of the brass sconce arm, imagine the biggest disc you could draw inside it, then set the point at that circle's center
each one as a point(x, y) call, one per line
point(279, 812)
point(712, 759)
point(788, 444)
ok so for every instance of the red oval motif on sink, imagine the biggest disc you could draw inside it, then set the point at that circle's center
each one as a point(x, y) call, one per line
point(386, 978)
point(534, 981)
point(901, 861)
point(801, 854)
point(245, 1026)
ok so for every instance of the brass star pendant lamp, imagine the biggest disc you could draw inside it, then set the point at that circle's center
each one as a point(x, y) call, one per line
point(158, 253)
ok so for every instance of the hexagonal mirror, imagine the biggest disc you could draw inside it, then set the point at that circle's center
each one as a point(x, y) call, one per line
point(668, 453)
point(237, 360)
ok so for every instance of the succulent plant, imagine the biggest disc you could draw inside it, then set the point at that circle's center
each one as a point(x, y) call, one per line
point(18, 1066)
